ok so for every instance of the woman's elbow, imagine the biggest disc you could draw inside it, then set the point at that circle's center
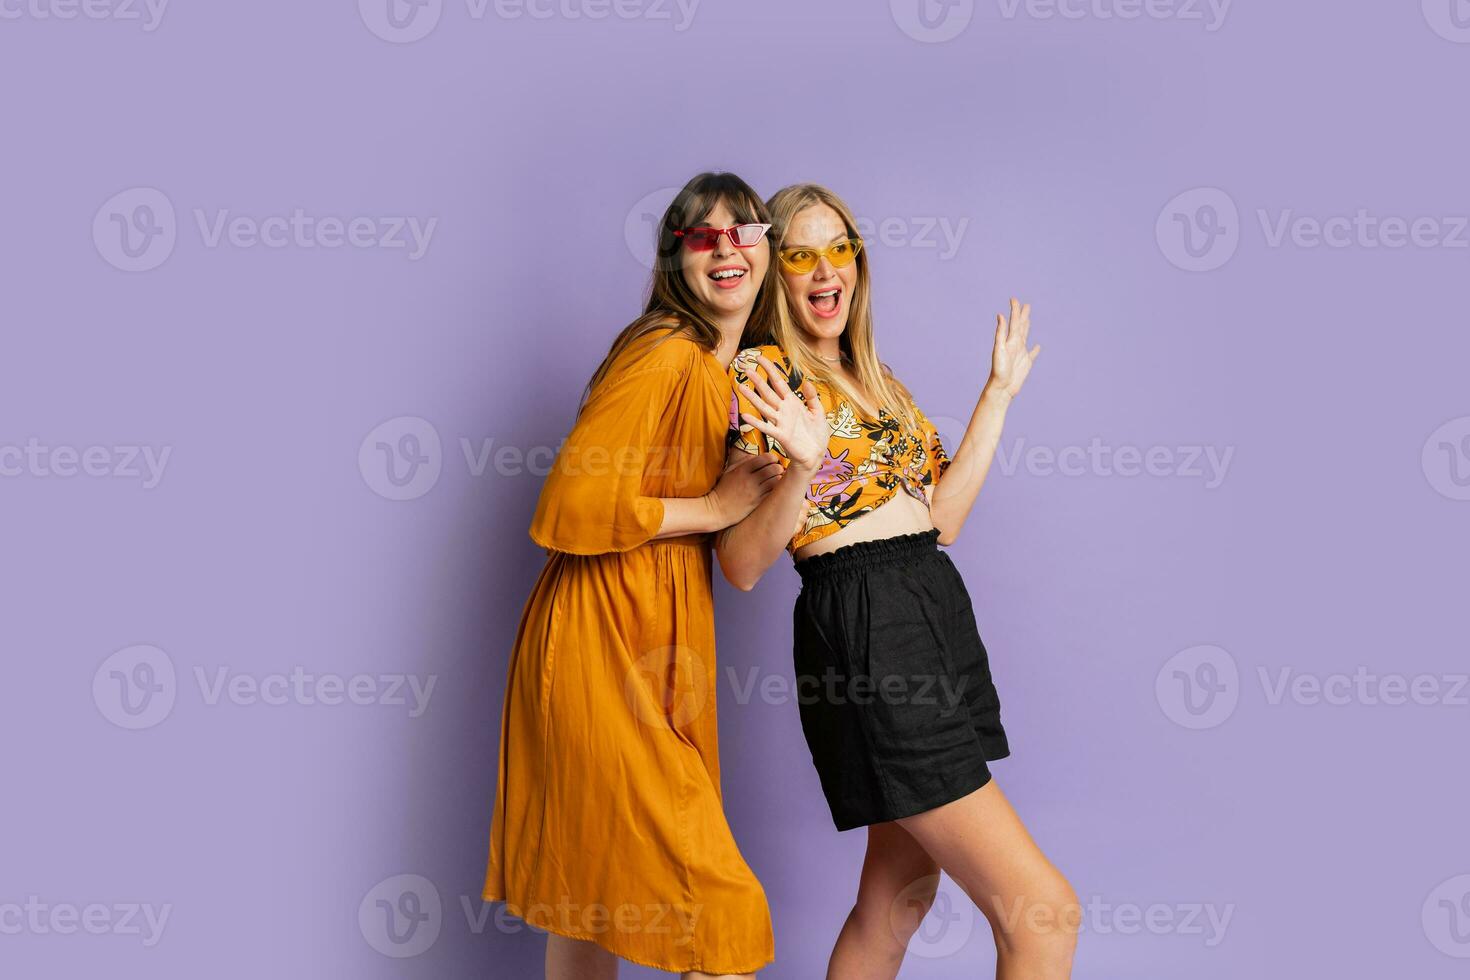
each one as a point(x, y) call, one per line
point(737, 575)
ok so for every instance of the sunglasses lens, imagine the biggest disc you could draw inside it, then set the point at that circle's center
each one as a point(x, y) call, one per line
point(799, 260)
point(744, 236)
point(842, 254)
point(700, 239)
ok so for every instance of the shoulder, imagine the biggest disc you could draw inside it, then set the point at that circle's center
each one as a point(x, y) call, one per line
point(666, 349)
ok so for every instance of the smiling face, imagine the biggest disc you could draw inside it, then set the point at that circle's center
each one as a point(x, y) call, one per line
point(726, 279)
point(821, 298)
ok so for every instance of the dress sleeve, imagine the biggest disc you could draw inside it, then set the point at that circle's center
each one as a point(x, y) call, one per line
point(592, 501)
point(744, 437)
point(933, 447)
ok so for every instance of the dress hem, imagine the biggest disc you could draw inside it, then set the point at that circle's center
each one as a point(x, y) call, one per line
point(489, 896)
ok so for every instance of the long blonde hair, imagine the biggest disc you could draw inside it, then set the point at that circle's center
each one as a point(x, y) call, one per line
point(856, 343)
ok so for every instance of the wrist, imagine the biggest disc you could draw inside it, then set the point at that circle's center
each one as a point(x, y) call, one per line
point(805, 470)
point(716, 511)
point(994, 396)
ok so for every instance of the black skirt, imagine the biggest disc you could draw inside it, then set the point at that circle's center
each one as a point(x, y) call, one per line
point(893, 682)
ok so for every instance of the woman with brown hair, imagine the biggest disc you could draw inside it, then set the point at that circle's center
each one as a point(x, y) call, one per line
point(897, 703)
point(608, 830)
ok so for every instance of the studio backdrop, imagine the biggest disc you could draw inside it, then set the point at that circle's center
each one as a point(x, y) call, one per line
point(299, 300)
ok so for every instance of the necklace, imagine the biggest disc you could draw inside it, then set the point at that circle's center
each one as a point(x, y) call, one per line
point(830, 360)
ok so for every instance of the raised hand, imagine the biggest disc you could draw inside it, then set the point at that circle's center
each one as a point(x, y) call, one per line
point(1010, 362)
point(799, 426)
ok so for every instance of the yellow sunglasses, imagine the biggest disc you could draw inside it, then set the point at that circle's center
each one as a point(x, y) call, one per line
point(803, 260)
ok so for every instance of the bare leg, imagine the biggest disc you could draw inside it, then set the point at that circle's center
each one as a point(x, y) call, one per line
point(578, 959)
point(981, 843)
point(897, 888)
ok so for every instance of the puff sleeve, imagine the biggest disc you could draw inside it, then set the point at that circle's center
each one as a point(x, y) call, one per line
point(744, 437)
point(593, 501)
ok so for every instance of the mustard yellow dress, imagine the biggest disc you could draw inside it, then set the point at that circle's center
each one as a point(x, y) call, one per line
point(608, 822)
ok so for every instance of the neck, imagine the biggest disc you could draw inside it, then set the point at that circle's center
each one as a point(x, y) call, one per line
point(828, 349)
point(732, 328)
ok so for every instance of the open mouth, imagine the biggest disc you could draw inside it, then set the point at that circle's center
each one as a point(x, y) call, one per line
point(826, 303)
point(728, 277)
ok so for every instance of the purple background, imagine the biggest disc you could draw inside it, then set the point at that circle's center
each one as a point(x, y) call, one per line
point(1334, 542)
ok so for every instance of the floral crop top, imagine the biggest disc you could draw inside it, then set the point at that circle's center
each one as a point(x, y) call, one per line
point(867, 460)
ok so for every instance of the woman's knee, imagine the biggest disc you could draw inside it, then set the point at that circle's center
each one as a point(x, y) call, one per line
point(1045, 920)
point(902, 913)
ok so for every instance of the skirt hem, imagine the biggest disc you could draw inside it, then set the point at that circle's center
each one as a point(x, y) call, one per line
point(491, 896)
point(904, 812)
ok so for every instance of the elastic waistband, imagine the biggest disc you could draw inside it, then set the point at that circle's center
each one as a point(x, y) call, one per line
point(866, 554)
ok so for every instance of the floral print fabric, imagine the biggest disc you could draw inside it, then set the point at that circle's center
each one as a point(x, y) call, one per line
point(867, 461)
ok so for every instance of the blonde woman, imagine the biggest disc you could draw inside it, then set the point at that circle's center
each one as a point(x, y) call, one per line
point(898, 707)
point(608, 830)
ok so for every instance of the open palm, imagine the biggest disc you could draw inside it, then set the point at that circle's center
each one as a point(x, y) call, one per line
point(798, 423)
point(1010, 362)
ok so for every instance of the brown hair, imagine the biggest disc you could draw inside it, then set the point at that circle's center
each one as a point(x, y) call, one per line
point(671, 303)
point(856, 343)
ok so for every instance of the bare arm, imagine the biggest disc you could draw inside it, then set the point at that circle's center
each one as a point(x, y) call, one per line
point(745, 482)
point(799, 425)
point(1010, 364)
point(748, 549)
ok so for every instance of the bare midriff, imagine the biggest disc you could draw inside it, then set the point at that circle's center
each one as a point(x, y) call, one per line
point(900, 514)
